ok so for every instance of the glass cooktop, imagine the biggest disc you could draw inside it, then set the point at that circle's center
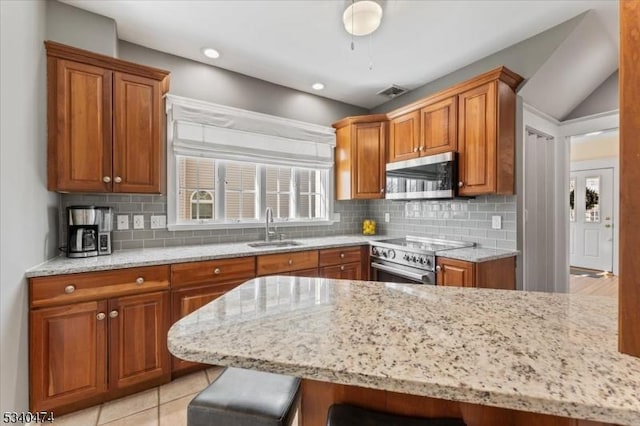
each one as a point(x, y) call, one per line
point(424, 245)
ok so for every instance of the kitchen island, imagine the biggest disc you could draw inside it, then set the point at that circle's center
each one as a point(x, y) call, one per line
point(488, 356)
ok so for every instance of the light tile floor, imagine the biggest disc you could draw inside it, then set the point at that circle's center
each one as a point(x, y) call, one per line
point(160, 406)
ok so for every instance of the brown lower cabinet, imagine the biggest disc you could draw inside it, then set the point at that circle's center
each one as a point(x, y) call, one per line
point(498, 274)
point(84, 353)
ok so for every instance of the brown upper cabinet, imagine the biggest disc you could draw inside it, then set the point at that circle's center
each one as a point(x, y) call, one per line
point(105, 123)
point(426, 131)
point(360, 157)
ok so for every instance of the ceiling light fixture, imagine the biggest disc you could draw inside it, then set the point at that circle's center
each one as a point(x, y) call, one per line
point(210, 53)
point(362, 17)
point(317, 86)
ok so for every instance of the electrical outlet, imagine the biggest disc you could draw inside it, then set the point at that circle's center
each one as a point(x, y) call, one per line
point(387, 217)
point(123, 222)
point(496, 222)
point(158, 222)
point(138, 221)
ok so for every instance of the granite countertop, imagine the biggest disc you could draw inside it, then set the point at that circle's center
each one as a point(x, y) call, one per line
point(539, 352)
point(476, 254)
point(162, 256)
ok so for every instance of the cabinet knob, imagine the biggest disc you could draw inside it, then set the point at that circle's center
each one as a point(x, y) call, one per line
point(139, 280)
point(438, 268)
point(341, 255)
point(342, 267)
point(382, 190)
point(415, 149)
point(106, 179)
point(117, 179)
point(101, 316)
point(113, 314)
point(460, 184)
point(290, 261)
point(216, 271)
point(70, 289)
point(421, 148)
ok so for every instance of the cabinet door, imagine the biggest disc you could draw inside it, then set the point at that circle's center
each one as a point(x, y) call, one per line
point(455, 273)
point(348, 271)
point(137, 142)
point(68, 354)
point(403, 137)
point(138, 328)
point(186, 300)
point(438, 127)
point(368, 153)
point(80, 127)
point(477, 140)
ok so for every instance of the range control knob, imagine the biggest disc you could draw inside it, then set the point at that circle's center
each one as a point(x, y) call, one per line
point(384, 253)
point(405, 257)
point(374, 251)
point(422, 260)
point(414, 259)
point(429, 262)
point(392, 254)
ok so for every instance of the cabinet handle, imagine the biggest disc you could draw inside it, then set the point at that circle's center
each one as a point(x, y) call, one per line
point(342, 268)
point(117, 179)
point(290, 261)
point(421, 148)
point(460, 184)
point(100, 316)
point(341, 255)
point(216, 271)
point(438, 268)
point(113, 314)
point(106, 179)
point(70, 289)
point(415, 149)
point(382, 190)
point(139, 280)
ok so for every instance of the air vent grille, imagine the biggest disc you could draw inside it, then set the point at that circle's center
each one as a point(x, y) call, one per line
point(393, 91)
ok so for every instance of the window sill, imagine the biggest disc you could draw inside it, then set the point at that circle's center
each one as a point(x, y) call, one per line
point(246, 225)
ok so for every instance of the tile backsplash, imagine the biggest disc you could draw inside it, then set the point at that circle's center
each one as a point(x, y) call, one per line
point(459, 219)
point(351, 215)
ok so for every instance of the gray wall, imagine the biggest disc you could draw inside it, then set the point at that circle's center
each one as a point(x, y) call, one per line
point(200, 81)
point(524, 58)
point(460, 219)
point(603, 99)
point(28, 211)
point(352, 213)
point(79, 28)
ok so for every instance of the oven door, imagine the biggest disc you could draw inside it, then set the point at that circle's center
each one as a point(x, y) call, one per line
point(391, 273)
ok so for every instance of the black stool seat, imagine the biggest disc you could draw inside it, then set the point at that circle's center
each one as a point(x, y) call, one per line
point(350, 415)
point(241, 397)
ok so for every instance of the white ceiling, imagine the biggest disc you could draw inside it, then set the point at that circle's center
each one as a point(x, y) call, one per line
point(296, 43)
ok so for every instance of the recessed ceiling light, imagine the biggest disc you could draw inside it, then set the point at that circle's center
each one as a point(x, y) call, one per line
point(210, 53)
point(318, 86)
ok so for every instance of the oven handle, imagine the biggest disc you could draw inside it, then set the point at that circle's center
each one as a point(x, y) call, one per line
point(400, 272)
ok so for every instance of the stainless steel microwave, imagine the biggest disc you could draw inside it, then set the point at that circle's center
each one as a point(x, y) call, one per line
point(428, 177)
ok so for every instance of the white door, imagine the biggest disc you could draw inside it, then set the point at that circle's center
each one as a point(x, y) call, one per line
point(591, 216)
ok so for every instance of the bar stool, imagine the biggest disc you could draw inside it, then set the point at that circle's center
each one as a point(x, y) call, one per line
point(350, 415)
point(240, 397)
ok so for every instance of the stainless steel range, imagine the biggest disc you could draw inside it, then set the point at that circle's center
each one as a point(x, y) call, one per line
point(408, 260)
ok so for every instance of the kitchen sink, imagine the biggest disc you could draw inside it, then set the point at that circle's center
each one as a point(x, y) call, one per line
point(267, 244)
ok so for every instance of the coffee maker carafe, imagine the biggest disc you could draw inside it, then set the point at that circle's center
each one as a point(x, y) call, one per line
point(89, 231)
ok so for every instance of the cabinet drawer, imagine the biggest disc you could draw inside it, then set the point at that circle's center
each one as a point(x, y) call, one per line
point(340, 255)
point(213, 271)
point(71, 288)
point(271, 264)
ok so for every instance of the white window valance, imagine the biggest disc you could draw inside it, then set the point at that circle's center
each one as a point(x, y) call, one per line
point(204, 129)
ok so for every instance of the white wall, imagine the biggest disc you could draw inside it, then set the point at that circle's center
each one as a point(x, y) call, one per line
point(27, 211)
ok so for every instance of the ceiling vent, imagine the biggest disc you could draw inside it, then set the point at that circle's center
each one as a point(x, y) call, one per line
point(393, 91)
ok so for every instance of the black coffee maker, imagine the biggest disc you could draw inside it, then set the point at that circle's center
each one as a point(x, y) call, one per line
point(88, 231)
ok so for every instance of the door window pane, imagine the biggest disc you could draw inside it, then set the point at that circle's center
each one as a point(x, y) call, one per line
point(592, 199)
point(572, 200)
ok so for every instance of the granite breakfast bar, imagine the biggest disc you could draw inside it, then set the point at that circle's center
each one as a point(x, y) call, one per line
point(491, 357)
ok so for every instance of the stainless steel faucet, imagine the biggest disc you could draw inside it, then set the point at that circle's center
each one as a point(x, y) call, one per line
point(268, 234)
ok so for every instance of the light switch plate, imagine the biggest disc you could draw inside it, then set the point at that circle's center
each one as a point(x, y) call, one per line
point(387, 217)
point(122, 222)
point(138, 221)
point(158, 222)
point(496, 222)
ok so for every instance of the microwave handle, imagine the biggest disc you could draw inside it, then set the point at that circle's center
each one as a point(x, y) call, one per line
point(400, 272)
